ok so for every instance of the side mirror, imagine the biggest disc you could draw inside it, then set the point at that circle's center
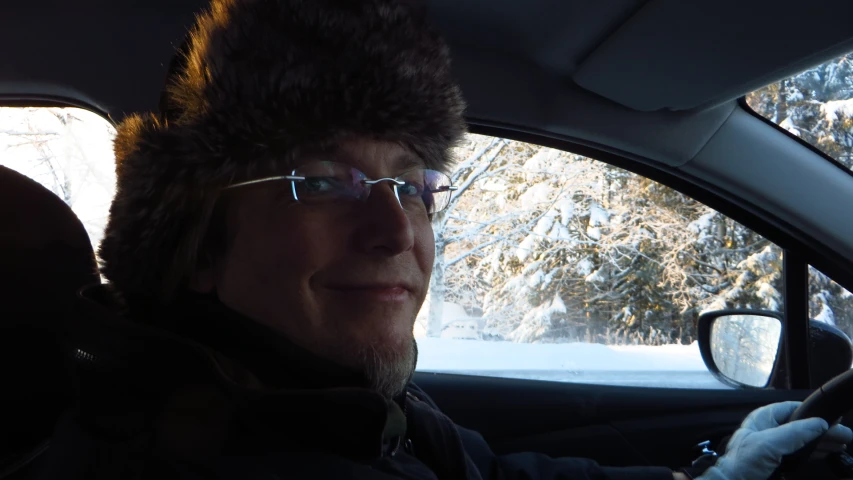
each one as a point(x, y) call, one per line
point(740, 347)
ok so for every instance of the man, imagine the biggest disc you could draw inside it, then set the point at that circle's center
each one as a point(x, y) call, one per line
point(269, 247)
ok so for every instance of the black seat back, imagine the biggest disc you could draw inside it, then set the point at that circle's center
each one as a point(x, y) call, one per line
point(45, 258)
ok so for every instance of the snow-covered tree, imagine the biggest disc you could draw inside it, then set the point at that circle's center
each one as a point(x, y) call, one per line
point(829, 302)
point(471, 225)
point(557, 247)
point(478, 163)
point(816, 105)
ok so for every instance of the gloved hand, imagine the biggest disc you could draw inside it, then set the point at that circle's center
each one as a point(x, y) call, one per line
point(835, 440)
point(757, 447)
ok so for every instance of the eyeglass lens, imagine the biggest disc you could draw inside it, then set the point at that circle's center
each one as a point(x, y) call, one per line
point(421, 189)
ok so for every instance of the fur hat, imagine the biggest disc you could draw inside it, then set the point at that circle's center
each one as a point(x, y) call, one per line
point(258, 82)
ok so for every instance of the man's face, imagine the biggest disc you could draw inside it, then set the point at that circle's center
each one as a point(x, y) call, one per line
point(342, 280)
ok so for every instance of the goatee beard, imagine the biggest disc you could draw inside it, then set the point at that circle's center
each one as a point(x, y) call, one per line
point(389, 370)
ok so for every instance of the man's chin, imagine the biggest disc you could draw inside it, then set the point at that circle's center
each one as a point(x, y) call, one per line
point(388, 366)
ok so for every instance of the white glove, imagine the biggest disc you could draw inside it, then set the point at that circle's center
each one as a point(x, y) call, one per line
point(835, 440)
point(756, 449)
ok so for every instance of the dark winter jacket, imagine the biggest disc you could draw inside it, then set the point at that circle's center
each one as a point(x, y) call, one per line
point(216, 396)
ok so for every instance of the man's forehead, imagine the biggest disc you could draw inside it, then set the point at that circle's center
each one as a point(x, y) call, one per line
point(361, 153)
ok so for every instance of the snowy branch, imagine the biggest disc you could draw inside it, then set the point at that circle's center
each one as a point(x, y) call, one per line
point(484, 165)
point(467, 254)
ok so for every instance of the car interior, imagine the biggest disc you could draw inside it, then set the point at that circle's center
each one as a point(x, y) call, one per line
point(652, 86)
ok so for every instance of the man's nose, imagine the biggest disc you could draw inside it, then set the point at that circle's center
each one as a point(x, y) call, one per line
point(385, 228)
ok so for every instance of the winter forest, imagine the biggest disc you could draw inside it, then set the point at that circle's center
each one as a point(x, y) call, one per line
point(541, 245)
point(555, 247)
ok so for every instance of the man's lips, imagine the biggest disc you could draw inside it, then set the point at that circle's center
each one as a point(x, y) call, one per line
point(362, 285)
point(377, 291)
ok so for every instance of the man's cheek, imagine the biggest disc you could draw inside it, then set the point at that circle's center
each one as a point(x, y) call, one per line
point(301, 255)
point(425, 245)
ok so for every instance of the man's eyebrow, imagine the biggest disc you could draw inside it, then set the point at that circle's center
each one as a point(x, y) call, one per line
point(408, 160)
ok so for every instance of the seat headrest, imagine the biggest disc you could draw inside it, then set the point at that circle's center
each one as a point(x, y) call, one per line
point(44, 248)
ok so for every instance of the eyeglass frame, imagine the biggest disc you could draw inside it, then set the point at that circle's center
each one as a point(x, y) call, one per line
point(296, 178)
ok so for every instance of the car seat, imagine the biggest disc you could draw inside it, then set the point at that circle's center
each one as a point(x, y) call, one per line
point(45, 258)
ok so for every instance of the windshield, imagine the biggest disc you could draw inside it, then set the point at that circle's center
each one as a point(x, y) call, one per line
point(815, 105)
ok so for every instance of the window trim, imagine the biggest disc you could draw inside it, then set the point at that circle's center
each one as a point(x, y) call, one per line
point(44, 101)
point(796, 334)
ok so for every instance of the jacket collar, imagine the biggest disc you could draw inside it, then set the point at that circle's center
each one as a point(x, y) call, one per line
point(277, 396)
point(272, 358)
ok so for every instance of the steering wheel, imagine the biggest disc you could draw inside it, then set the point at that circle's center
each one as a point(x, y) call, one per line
point(830, 402)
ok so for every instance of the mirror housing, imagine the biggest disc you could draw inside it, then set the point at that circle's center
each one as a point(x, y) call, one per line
point(830, 351)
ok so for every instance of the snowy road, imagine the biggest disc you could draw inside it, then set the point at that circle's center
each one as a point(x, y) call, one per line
point(656, 379)
point(668, 366)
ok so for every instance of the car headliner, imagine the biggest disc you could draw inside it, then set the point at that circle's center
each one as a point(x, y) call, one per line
point(653, 81)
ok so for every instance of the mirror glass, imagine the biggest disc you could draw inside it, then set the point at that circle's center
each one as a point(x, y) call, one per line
point(744, 347)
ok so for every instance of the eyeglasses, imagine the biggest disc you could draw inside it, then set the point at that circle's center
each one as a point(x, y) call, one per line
point(416, 190)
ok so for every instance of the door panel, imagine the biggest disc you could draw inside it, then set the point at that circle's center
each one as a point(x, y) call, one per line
point(618, 426)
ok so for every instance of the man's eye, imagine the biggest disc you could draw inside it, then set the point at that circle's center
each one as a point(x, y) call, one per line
point(410, 189)
point(321, 184)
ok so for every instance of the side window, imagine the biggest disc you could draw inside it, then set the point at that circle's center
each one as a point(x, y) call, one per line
point(815, 105)
point(554, 266)
point(69, 151)
point(829, 302)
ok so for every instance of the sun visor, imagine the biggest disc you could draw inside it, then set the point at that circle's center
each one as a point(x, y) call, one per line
point(683, 55)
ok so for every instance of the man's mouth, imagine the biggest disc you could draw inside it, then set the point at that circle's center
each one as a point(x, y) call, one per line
point(382, 292)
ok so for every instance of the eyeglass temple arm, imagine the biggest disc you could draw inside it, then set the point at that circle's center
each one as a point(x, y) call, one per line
point(296, 178)
point(267, 179)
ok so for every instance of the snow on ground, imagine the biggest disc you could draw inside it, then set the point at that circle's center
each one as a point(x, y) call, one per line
point(437, 354)
point(669, 366)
